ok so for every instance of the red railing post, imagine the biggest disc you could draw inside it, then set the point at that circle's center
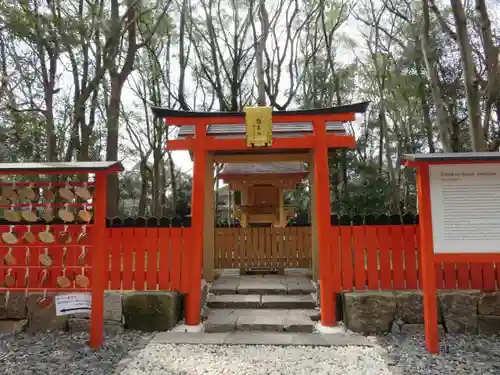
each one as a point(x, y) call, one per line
point(99, 262)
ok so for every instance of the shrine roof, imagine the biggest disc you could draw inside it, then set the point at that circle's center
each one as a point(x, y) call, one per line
point(263, 168)
point(65, 167)
point(452, 156)
point(349, 108)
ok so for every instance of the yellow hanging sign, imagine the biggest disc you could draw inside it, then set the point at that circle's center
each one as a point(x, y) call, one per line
point(259, 126)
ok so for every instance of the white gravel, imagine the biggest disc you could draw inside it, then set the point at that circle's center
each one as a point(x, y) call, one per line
point(62, 353)
point(459, 355)
point(169, 359)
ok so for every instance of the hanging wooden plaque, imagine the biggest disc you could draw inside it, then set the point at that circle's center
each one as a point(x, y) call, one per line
point(259, 126)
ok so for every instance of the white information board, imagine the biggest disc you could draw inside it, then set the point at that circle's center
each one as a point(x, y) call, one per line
point(73, 303)
point(465, 204)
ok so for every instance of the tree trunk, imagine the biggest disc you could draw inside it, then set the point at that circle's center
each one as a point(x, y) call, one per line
point(471, 81)
point(441, 115)
point(264, 23)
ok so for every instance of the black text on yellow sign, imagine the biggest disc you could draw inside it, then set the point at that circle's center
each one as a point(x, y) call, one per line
point(259, 126)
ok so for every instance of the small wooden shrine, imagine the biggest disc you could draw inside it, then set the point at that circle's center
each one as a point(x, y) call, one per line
point(262, 188)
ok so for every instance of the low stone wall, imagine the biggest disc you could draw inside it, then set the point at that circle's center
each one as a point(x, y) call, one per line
point(140, 310)
point(373, 312)
point(147, 311)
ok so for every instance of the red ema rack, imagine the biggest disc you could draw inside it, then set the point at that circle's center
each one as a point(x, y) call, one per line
point(38, 254)
point(46, 257)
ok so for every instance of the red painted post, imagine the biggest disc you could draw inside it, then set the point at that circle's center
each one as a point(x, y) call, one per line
point(427, 260)
point(99, 262)
point(193, 299)
point(323, 210)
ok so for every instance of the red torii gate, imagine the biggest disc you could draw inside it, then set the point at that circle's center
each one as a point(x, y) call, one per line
point(319, 141)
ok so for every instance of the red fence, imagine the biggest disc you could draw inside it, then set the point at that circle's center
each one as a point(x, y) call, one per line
point(139, 259)
point(375, 257)
point(385, 257)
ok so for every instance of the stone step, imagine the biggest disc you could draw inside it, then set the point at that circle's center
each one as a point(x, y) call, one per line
point(262, 285)
point(250, 320)
point(313, 314)
point(255, 301)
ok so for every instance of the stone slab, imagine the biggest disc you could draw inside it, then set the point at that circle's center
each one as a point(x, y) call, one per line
point(234, 301)
point(262, 286)
point(410, 306)
point(459, 309)
point(13, 326)
point(489, 303)
point(288, 302)
point(222, 322)
point(312, 314)
point(224, 286)
point(488, 324)
point(43, 317)
point(260, 338)
point(113, 307)
point(189, 338)
point(369, 311)
point(260, 323)
point(300, 287)
point(152, 310)
point(13, 306)
point(297, 323)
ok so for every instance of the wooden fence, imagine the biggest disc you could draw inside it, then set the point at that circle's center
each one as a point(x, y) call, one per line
point(374, 257)
point(276, 248)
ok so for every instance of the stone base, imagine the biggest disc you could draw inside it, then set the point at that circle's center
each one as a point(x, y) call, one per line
point(489, 304)
point(373, 311)
point(330, 330)
point(459, 309)
point(369, 312)
point(13, 326)
point(488, 324)
point(188, 329)
point(43, 318)
point(13, 305)
point(151, 311)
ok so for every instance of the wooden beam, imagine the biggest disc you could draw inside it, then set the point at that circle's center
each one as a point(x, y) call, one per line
point(239, 144)
point(291, 118)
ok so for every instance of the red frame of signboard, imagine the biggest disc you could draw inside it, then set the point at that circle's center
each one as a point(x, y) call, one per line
point(428, 259)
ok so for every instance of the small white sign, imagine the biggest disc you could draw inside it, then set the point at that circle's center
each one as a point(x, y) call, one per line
point(73, 303)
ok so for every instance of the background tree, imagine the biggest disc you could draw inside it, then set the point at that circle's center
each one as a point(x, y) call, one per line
point(77, 79)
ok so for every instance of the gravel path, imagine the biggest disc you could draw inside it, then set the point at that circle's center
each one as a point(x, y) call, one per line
point(460, 355)
point(61, 353)
point(170, 359)
point(64, 353)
